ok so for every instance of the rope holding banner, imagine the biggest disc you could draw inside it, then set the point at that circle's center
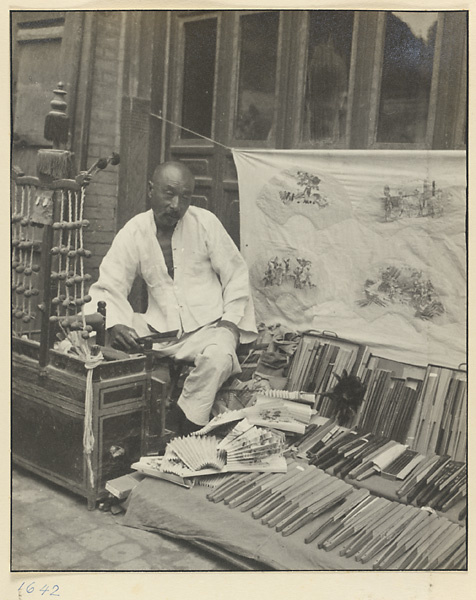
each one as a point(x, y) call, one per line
point(204, 137)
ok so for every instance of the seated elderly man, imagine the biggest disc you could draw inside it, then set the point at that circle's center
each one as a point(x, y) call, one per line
point(197, 283)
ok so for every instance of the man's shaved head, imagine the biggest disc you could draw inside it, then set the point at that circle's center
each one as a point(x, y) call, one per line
point(173, 168)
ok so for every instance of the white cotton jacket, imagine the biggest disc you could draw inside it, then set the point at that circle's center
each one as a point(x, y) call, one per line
point(210, 281)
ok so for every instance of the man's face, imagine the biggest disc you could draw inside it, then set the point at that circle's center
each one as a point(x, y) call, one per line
point(170, 196)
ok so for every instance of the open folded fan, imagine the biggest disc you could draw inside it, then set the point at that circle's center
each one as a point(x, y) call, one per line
point(275, 413)
point(196, 453)
point(245, 448)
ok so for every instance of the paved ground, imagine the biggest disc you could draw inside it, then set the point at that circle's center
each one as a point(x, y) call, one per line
point(52, 530)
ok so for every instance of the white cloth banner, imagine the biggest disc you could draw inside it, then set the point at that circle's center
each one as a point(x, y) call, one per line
point(368, 244)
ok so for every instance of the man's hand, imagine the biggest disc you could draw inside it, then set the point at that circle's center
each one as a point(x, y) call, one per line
point(123, 337)
point(231, 327)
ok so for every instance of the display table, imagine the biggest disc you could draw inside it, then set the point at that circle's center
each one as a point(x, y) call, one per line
point(164, 508)
point(161, 507)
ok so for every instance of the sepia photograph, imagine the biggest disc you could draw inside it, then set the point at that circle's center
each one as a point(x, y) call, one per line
point(239, 287)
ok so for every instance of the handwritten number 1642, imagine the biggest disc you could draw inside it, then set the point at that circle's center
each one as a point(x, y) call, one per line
point(30, 588)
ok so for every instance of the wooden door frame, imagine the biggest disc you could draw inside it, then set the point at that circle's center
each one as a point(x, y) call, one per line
point(451, 101)
point(72, 32)
point(174, 144)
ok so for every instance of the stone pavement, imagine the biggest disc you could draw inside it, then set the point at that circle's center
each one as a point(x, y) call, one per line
point(52, 530)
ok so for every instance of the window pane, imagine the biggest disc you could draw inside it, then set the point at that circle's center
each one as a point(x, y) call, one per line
point(327, 77)
point(199, 76)
point(257, 81)
point(37, 77)
point(406, 76)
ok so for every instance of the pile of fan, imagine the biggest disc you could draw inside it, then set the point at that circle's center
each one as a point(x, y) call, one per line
point(245, 448)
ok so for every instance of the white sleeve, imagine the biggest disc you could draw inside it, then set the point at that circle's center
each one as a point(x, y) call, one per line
point(116, 276)
point(232, 270)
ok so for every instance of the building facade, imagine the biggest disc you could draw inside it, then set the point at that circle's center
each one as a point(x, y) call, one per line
point(144, 83)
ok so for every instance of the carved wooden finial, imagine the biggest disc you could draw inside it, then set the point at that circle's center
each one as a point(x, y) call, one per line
point(57, 121)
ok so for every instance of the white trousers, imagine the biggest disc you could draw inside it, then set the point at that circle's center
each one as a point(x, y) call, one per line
point(212, 351)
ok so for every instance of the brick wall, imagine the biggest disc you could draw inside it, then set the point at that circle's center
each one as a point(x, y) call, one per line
point(104, 135)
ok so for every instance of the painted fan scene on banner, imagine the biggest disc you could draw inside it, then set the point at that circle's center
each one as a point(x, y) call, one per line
point(385, 268)
point(239, 290)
